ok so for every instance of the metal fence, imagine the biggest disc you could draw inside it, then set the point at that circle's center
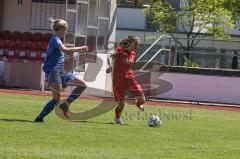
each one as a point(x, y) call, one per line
point(219, 54)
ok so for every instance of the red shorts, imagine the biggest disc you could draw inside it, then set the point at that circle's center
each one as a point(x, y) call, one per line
point(120, 86)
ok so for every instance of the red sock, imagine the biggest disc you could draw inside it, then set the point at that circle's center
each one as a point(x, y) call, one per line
point(118, 112)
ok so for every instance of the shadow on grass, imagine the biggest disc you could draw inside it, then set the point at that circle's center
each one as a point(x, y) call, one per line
point(82, 121)
point(17, 120)
point(94, 122)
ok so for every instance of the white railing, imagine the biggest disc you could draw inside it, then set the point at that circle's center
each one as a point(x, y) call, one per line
point(159, 51)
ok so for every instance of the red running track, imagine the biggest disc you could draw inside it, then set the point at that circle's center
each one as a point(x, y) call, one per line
point(154, 103)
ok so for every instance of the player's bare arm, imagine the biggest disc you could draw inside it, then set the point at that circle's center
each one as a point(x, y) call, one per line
point(65, 49)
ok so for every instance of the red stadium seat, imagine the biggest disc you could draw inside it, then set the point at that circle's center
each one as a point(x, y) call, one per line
point(6, 35)
point(33, 55)
point(34, 45)
point(11, 52)
point(34, 50)
point(2, 45)
point(42, 51)
point(41, 55)
point(16, 35)
point(1, 35)
point(22, 45)
point(23, 50)
point(43, 46)
point(37, 36)
point(46, 37)
point(27, 36)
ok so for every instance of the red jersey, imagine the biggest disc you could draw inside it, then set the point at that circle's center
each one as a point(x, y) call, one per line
point(123, 62)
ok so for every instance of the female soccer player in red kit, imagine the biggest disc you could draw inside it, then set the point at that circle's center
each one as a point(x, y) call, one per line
point(124, 77)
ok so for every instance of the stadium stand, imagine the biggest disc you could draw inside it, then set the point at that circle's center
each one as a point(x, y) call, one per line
point(18, 46)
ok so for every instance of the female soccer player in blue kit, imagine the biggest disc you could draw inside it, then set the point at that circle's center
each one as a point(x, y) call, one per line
point(54, 69)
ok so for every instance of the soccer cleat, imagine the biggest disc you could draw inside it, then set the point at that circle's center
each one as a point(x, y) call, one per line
point(119, 121)
point(64, 108)
point(141, 107)
point(38, 120)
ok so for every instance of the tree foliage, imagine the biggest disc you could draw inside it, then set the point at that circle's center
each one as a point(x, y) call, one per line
point(234, 7)
point(196, 18)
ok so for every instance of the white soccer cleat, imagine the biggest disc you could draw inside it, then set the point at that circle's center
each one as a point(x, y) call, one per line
point(119, 121)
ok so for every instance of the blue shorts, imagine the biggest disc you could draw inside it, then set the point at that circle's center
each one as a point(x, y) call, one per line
point(59, 76)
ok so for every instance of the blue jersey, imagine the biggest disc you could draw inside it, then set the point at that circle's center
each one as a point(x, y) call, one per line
point(55, 57)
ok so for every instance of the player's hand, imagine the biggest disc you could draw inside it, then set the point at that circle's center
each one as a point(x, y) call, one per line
point(109, 69)
point(84, 48)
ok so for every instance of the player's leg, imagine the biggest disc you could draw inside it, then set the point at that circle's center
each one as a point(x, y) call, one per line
point(56, 93)
point(70, 79)
point(77, 91)
point(118, 112)
point(135, 88)
point(119, 97)
point(55, 84)
point(140, 100)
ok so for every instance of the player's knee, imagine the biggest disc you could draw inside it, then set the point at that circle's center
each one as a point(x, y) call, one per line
point(56, 101)
point(56, 98)
point(81, 88)
point(83, 85)
point(56, 95)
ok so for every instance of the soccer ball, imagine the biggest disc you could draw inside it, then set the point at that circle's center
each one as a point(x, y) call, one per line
point(154, 121)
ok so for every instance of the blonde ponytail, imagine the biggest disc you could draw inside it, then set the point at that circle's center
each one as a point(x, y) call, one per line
point(57, 24)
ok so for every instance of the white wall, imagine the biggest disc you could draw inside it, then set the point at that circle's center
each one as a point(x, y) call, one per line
point(20, 74)
point(234, 31)
point(16, 17)
point(131, 18)
point(216, 89)
point(98, 82)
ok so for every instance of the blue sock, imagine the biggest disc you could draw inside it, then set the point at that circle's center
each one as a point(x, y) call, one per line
point(75, 94)
point(48, 108)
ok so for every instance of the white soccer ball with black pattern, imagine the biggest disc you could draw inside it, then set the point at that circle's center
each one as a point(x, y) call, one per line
point(154, 121)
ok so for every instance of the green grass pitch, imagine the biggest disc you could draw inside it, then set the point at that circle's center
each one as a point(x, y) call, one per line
point(184, 133)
